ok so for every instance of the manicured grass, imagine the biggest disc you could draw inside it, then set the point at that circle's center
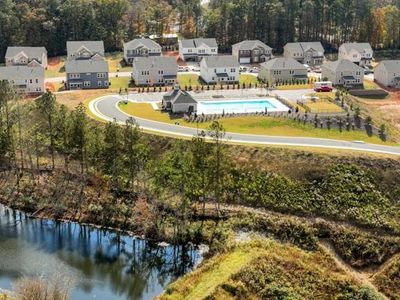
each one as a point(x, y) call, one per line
point(323, 107)
point(119, 83)
point(188, 80)
point(254, 125)
point(116, 62)
point(370, 85)
point(294, 87)
point(248, 79)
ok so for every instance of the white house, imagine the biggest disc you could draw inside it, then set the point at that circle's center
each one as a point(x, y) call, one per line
point(387, 73)
point(358, 53)
point(220, 69)
point(140, 48)
point(343, 72)
point(27, 80)
point(26, 56)
point(196, 49)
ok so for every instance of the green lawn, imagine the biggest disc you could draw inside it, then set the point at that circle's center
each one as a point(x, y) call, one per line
point(370, 85)
point(248, 79)
point(294, 87)
point(254, 125)
point(119, 83)
point(188, 80)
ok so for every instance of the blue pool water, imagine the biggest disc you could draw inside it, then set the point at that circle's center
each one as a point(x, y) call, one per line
point(240, 106)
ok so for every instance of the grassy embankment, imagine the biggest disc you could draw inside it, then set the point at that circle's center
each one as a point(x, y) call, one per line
point(253, 125)
point(269, 270)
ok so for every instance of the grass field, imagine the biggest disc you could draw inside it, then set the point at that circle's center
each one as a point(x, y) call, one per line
point(370, 85)
point(323, 107)
point(194, 80)
point(294, 87)
point(253, 125)
point(119, 83)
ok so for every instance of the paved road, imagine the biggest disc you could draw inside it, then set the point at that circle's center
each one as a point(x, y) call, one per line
point(106, 108)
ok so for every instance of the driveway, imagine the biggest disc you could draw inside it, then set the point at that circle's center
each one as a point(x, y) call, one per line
point(106, 108)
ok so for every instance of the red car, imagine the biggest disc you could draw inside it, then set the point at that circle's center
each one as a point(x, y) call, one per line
point(323, 89)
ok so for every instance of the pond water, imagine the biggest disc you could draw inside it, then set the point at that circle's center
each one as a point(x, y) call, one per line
point(100, 264)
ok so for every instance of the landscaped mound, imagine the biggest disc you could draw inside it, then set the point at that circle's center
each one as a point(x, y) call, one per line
point(372, 94)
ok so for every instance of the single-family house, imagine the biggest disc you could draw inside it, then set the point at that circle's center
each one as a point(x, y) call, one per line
point(178, 101)
point(387, 73)
point(141, 48)
point(282, 70)
point(84, 49)
point(154, 70)
point(27, 80)
point(196, 49)
point(358, 53)
point(310, 53)
point(251, 51)
point(86, 74)
point(26, 56)
point(220, 69)
point(343, 72)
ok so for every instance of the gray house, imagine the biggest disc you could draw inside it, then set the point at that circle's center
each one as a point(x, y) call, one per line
point(154, 70)
point(251, 51)
point(282, 70)
point(310, 53)
point(178, 101)
point(27, 80)
point(26, 56)
point(343, 72)
point(84, 49)
point(196, 49)
point(387, 73)
point(87, 74)
point(140, 48)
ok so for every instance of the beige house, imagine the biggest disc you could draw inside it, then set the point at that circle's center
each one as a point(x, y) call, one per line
point(387, 73)
point(310, 53)
point(26, 56)
point(343, 72)
point(26, 80)
point(282, 70)
point(141, 48)
point(251, 51)
point(154, 70)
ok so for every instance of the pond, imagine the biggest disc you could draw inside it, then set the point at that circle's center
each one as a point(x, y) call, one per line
point(100, 264)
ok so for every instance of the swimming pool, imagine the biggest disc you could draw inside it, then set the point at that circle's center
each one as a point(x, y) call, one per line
point(240, 106)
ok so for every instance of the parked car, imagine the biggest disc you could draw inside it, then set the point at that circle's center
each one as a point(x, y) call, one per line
point(254, 70)
point(183, 69)
point(317, 70)
point(323, 86)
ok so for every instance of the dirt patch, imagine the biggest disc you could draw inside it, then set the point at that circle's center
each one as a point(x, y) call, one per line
point(54, 61)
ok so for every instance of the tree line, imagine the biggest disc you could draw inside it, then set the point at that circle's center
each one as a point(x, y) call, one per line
point(51, 23)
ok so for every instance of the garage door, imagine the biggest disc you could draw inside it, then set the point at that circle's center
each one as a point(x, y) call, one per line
point(244, 60)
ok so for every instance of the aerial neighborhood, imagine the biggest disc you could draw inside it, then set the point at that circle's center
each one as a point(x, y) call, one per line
point(87, 67)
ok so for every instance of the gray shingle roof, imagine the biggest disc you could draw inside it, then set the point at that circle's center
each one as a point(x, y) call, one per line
point(194, 43)
point(32, 52)
point(283, 64)
point(161, 62)
point(177, 96)
point(20, 72)
point(391, 66)
point(86, 66)
point(148, 43)
point(360, 47)
point(221, 61)
point(250, 45)
point(304, 46)
point(342, 65)
point(93, 46)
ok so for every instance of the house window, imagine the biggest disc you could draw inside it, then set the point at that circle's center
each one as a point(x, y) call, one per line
point(233, 70)
point(74, 76)
point(213, 50)
point(105, 83)
point(99, 83)
point(86, 83)
point(101, 75)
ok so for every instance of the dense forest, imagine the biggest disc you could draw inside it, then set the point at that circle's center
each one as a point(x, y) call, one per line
point(51, 23)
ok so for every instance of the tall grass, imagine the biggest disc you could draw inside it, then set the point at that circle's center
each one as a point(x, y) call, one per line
point(38, 288)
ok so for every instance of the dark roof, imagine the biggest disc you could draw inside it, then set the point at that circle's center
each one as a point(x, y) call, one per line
point(177, 96)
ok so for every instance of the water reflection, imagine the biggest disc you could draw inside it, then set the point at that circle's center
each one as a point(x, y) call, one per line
point(101, 263)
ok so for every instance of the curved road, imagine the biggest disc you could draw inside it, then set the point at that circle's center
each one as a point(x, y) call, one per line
point(107, 108)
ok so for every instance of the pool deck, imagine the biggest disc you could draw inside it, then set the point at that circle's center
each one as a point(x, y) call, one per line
point(223, 95)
